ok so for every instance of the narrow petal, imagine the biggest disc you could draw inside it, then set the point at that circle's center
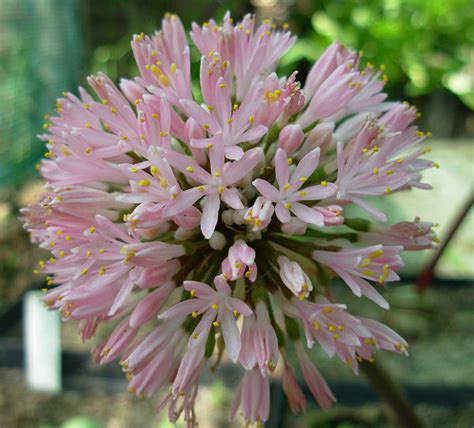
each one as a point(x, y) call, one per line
point(210, 214)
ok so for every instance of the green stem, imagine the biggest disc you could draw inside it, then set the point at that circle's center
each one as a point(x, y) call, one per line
point(392, 394)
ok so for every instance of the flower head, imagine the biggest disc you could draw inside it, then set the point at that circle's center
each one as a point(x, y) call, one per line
point(198, 223)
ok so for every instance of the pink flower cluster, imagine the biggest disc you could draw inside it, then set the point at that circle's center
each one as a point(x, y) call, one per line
point(196, 222)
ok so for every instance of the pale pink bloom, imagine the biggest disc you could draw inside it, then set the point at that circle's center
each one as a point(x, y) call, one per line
point(233, 126)
point(240, 262)
point(214, 185)
point(358, 266)
point(154, 190)
point(290, 139)
point(163, 60)
point(289, 196)
point(259, 342)
point(183, 402)
point(265, 340)
point(361, 173)
point(252, 52)
point(253, 398)
point(334, 56)
point(332, 215)
point(217, 307)
point(316, 384)
point(294, 394)
point(332, 95)
point(411, 235)
point(294, 277)
point(260, 214)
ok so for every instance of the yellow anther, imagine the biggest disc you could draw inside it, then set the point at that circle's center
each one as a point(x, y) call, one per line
point(154, 115)
point(221, 189)
point(200, 188)
point(302, 295)
point(210, 108)
point(102, 270)
point(68, 238)
point(287, 205)
point(88, 150)
point(286, 186)
point(145, 182)
point(251, 119)
point(154, 170)
point(194, 314)
point(61, 254)
point(163, 134)
point(290, 161)
point(427, 150)
point(91, 229)
point(104, 101)
point(195, 336)
point(215, 306)
point(375, 149)
point(286, 26)
point(229, 121)
point(316, 325)
point(205, 126)
point(327, 309)
point(364, 263)
point(192, 292)
point(235, 107)
point(340, 327)
point(376, 254)
point(113, 109)
point(236, 313)
point(216, 324)
point(302, 194)
point(435, 165)
point(89, 253)
point(336, 336)
point(84, 271)
point(164, 80)
point(376, 171)
point(368, 272)
point(388, 190)
point(420, 134)
point(173, 68)
point(390, 171)
point(217, 174)
point(156, 70)
point(303, 179)
point(221, 85)
point(324, 183)
point(189, 168)
point(209, 146)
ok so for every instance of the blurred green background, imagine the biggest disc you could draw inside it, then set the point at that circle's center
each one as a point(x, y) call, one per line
point(427, 49)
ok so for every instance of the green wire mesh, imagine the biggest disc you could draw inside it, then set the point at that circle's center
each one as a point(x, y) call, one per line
point(40, 56)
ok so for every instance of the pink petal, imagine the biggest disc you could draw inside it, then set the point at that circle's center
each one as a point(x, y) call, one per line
point(210, 214)
point(266, 189)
